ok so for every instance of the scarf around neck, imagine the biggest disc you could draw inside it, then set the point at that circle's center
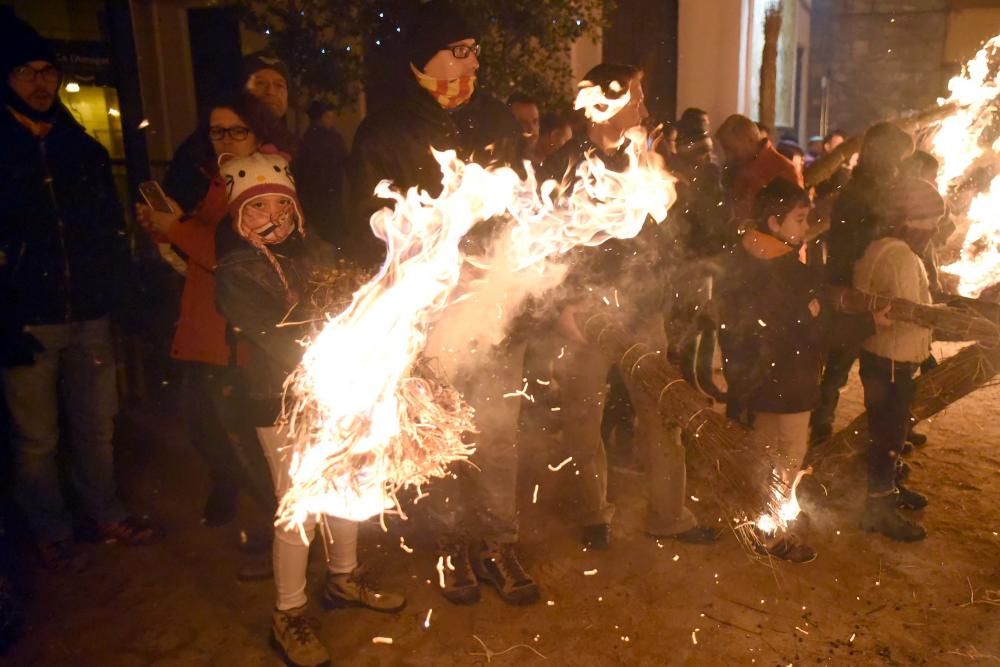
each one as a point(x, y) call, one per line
point(449, 93)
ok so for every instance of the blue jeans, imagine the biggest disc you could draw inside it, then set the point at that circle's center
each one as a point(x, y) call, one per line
point(77, 366)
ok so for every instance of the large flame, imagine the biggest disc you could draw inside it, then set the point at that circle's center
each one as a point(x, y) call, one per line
point(979, 265)
point(366, 415)
point(959, 145)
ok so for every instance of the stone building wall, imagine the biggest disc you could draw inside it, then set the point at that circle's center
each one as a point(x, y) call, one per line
point(880, 57)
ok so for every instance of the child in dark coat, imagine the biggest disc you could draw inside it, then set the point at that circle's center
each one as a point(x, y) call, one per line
point(776, 324)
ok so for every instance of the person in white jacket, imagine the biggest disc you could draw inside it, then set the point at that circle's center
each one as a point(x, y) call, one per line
point(891, 267)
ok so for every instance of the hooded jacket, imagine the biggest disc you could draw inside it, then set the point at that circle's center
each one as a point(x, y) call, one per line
point(396, 144)
point(772, 343)
point(890, 268)
point(63, 250)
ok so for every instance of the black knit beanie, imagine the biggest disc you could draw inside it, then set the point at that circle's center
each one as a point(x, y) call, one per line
point(434, 26)
point(20, 44)
point(259, 60)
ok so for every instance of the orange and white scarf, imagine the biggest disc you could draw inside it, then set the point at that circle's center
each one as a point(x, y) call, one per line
point(449, 93)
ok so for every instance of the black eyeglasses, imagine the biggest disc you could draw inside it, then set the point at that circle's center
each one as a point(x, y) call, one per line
point(28, 74)
point(237, 133)
point(462, 51)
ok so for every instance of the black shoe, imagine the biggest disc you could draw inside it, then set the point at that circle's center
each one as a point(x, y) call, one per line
point(460, 583)
point(597, 536)
point(497, 564)
point(221, 504)
point(906, 449)
point(908, 499)
point(881, 517)
point(819, 433)
point(902, 472)
point(788, 548)
point(698, 535)
point(916, 439)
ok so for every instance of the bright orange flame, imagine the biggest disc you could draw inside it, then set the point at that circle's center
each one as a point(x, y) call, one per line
point(979, 265)
point(366, 417)
point(958, 146)
point(975, 90)
point(784, 509)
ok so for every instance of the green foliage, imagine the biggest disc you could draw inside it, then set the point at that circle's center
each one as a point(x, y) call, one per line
point(526, 43)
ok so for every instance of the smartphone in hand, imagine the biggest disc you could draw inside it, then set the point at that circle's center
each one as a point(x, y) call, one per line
point(155, 197)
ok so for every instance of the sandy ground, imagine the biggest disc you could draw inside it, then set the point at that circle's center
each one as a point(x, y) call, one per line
point(864, 601)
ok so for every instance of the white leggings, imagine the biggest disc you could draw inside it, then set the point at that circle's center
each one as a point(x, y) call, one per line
point(291, 553)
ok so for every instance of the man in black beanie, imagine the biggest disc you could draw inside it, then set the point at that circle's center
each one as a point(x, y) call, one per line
point(442, 110)
point(62, 255)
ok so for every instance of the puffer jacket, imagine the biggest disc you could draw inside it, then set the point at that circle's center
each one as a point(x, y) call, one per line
point(396, 144)
point(890, 268)
point(772, 344)
point(63, 250)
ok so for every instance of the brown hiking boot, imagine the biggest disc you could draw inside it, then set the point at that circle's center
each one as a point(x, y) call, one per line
point(349, 590)
point(497, 564)
point(293, 634)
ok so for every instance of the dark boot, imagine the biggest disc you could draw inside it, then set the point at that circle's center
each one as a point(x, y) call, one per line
point(908, 499)
point(881, 516)
point(597, 536)
point(460, 583)
point(916, 439)
point(497, 564)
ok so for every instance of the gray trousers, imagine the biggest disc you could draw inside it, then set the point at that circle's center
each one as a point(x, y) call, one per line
point(582, 375)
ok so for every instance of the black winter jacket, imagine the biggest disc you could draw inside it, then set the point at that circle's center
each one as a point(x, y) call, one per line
point(773, 347)
point(396, 143)
point(63, 250)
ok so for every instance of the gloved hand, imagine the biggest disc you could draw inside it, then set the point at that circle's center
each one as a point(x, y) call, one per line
point(18, 347)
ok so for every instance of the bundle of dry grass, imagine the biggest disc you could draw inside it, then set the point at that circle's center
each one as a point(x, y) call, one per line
point(746, 485)
point(948, 323)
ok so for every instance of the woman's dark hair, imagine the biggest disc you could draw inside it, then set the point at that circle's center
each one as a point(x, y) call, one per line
point(885, 146)
point(258, 117)
point(778, 198)
point(605, 74)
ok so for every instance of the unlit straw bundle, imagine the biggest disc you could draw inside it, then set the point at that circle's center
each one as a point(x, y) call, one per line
point(827, 165)
point(947, 322)
point(746, 484)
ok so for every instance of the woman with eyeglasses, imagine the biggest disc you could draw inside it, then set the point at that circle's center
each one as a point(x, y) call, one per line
point(238, 124)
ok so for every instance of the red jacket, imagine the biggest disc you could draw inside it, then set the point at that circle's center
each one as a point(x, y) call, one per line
point(751, 178)
point(201, 333)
